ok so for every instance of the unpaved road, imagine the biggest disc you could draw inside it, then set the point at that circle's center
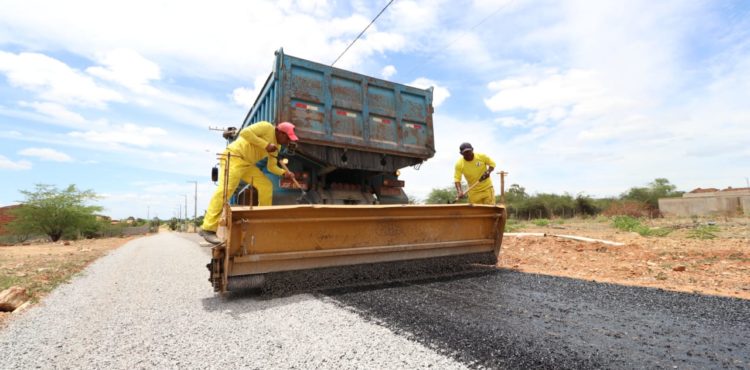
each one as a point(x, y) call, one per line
point(149, 305)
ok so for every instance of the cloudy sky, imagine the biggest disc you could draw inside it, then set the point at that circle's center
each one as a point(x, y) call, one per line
point(567, 96)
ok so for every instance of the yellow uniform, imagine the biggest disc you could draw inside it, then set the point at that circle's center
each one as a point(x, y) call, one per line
point(246, 151)
point(472, 170)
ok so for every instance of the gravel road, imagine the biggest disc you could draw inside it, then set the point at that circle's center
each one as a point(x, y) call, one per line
point(149, 305)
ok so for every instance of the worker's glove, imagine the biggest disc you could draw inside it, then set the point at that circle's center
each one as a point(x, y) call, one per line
point(271, 147)
point(289, 175)
point(460, 195)
point(485, 176)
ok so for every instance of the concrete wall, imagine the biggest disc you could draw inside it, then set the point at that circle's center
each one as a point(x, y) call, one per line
point(723, 193)
point(704, 206)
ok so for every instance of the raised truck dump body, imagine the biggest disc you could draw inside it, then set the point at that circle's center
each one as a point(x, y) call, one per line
point(355, 133)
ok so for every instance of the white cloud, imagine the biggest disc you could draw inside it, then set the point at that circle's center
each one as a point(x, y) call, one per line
point(188, 44)
point(439, 94)
point(46, 154)
point(128, 134)
point(388, 71)
point(128, 68)
point(57, 112)
point(53, 80)
point(7, 164)
point(554, 96)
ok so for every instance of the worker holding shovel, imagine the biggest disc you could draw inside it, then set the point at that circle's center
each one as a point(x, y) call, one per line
point(255, 142)
point(476, 169)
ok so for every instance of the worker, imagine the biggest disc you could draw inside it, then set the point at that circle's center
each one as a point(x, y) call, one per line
point(476, 168)
point(254, 143)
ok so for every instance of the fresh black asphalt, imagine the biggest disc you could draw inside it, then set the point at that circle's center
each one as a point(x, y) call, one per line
point(508, 319)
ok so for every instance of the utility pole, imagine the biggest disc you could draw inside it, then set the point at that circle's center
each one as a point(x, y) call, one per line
point(186, 216)
point(195, 200)
point(502, 186)
point(148, 212)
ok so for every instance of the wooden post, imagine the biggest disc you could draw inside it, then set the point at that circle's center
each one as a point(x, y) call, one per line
point(502, 186)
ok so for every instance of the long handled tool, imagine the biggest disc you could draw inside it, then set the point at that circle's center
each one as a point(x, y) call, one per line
point(467, 191)
point(283, 163)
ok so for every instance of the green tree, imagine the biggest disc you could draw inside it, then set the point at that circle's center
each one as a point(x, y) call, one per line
point(444, 196)
point(659, 188)
point(585, 205)
point(53, 212)
point(515, 194)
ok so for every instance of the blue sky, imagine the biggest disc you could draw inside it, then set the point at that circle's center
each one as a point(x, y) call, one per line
point(567, 96)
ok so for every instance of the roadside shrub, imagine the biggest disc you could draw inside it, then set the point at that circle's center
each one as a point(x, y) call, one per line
point(512, 226)
point(703, 232)
point(628, 208)
point(540, 222)
point(628, 223)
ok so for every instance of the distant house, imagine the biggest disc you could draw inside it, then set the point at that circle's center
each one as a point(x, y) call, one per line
point(103, 218)
point(6, 217)
point(708, 202)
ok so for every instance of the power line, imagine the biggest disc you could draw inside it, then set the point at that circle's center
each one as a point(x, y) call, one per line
point(363, 32)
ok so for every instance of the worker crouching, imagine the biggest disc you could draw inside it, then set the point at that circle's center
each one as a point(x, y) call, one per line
point(254, 143)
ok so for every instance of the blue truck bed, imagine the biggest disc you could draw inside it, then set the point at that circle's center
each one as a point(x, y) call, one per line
point(355, 131)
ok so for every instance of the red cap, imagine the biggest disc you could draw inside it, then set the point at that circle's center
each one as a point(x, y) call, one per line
point(288, 129)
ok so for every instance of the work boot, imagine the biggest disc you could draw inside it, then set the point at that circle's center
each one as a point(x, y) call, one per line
point(209, 236)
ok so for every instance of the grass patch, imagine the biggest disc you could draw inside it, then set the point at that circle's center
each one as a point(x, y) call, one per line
point(512, 226)
point(629, 223)
point(704, 232)
point(7, 281)
point(540, 222)
point(738, 256)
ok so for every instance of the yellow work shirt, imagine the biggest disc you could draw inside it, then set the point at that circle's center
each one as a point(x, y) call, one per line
point(473, 170)
point(251, 145)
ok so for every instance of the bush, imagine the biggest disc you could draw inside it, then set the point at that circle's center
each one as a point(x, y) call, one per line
point(628, 208)
point(512, 226)
point(703, 232)
point(540, 222)
point(628, 223)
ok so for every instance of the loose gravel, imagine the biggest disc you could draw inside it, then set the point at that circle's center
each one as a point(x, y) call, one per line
point(149, 305)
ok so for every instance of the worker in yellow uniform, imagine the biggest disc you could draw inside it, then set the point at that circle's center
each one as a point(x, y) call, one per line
point(475, 167)
point(254, 143)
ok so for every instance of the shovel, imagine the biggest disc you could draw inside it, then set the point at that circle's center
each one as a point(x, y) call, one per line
point(466, 192)
point(302, 198)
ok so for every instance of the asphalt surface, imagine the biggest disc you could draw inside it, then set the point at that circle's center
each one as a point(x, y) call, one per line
point(148, 304)
point(514, 320)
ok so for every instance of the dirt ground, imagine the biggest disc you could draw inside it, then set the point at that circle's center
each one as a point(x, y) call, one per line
point(41, 267)
point(718, 266)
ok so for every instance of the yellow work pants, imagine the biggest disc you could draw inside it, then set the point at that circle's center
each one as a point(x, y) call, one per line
point(238, 170)
point(486, 196)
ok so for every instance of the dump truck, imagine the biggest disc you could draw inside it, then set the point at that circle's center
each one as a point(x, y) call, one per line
point(356, 133)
